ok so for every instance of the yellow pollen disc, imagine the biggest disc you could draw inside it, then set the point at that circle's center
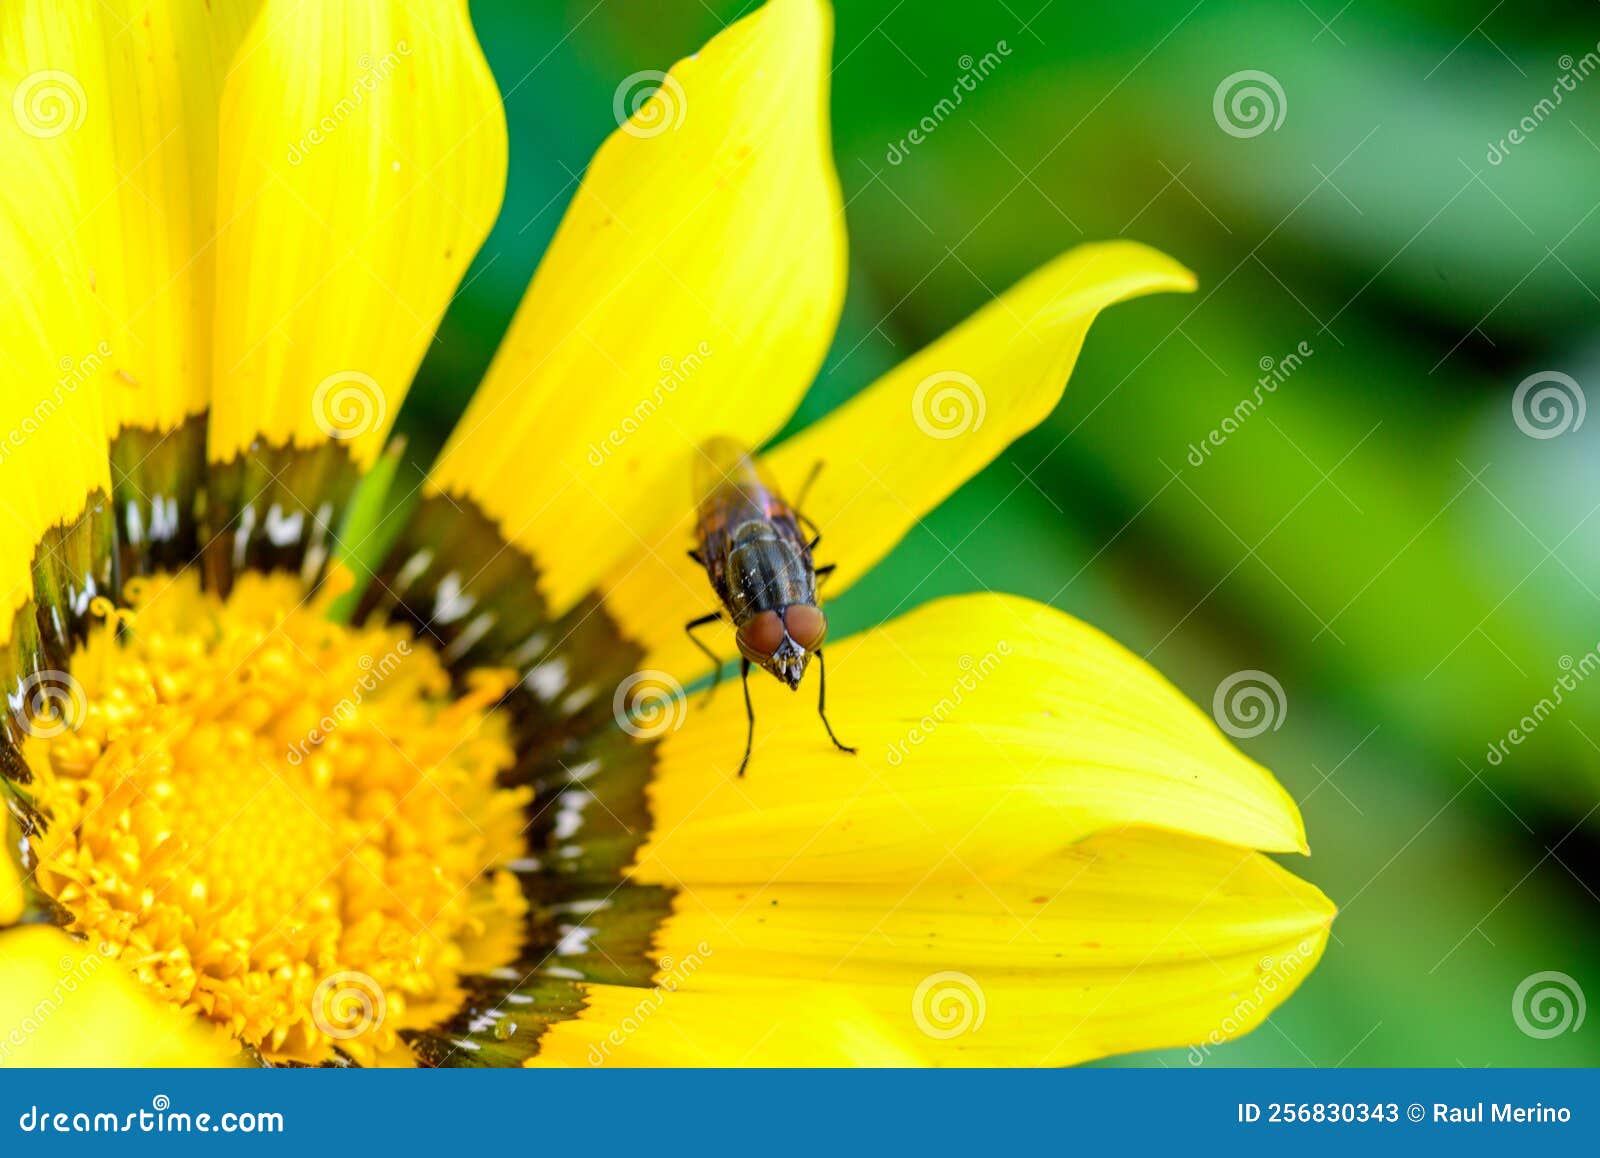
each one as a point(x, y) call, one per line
point(291, 827)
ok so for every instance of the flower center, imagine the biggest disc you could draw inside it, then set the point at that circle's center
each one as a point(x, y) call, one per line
point(291, 827)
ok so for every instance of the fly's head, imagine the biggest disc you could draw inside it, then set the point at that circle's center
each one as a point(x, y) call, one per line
point(783, 642)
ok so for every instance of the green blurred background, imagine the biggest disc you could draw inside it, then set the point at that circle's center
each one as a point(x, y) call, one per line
point(1380, 535)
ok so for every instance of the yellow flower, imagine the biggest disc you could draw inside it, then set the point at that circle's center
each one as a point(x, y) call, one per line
point(269, 804)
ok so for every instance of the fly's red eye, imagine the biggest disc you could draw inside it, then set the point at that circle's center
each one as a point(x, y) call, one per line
point(807, 625)
point(762, 636)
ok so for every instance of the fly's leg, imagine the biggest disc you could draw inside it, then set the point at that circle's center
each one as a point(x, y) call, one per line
point(805, 487)
point(823, 572)
point(811, 529)
point(695, 555)
point(749, 715)
point(822, 701)
point(800, 505)
point(716, 660)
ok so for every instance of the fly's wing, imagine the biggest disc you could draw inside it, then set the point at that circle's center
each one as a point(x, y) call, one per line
point(727, 494)
point(732, 490)
point(730, 487)
point(721, 463)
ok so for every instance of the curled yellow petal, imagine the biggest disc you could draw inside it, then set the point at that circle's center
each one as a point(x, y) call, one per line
point(895, 451)
point(900, 447)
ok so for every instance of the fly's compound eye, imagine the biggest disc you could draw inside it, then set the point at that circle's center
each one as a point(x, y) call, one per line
point(761, 637)
point(807, 625)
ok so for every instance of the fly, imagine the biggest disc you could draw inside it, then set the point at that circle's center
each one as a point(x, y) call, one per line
point(751, 543)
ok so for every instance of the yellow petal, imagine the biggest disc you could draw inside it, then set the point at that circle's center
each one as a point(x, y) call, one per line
point(56, 356)
point(63, 1004)
point(691, 290)
point(742, 1027)
point(1128, 941)
point(992, 732)
point(144, 163)
point(899, 448)
point(363, 157)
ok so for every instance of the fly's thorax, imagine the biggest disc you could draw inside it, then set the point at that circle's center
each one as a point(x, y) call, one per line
point(768, 570)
